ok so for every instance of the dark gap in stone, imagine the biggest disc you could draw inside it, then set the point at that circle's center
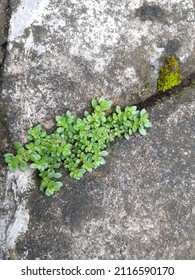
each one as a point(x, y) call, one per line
point(160, 96)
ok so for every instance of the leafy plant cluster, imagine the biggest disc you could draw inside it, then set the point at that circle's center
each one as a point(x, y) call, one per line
point(77, 144)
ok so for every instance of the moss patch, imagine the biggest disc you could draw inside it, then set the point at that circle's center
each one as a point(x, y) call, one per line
point(169, 75)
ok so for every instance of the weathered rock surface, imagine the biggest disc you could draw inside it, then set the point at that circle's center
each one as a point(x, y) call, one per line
point(61, 54)
point(14, 214)
point(3, 26)
point(141, 205)
point(4, 18)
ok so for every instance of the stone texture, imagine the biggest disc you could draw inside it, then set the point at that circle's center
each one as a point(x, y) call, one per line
point(4, 19)
point(14, 215)
point(141, 204)
point(64, 53)
point(3, 26)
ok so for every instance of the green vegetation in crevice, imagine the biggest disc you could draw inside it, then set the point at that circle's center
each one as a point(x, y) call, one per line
point(160, 96)
point(78, 145)
point(169, 75)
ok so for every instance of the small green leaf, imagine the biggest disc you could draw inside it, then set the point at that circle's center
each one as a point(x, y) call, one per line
point(126, 136)
point(142, 131)
point(8, 155)
point(68, 113)
point(57, 175)
point(94, 103)
point(23, 165)
point(49, 192)
point(35, 157)
point(59, 184)
point(118, 109)
point(86, 113)
point(12, 167)
point(102, 161)
point(147, 124)
point(130, 132)
point(58, 118)
point(17, 145)
point(30, 137)
point(103, 153)
point(87, 127)
point(33, 166)
point(89, 118)
point(21, 152)
point(103, 119)
point(60, 130)
point(57, 165)
point(97, 108)
point(134, 128)
point(143, 112)
point(127, 123)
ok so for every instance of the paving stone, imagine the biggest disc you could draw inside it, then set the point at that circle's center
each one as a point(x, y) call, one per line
point(141, 204)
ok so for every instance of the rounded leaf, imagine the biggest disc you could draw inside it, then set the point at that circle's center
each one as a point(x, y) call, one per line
point(103, 153)
point(17, 145)
point(57, 175)
point(60, 130)
point(142, 131)
point(23, 165)
point(94, 103)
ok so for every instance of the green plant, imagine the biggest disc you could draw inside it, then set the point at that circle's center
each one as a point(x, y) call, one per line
point(77, 144)
point(169, 75)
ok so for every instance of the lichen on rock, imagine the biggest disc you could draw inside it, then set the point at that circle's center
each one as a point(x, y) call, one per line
point(169, 75)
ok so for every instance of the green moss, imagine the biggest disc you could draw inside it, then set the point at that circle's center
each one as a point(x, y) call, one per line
point(169, 75)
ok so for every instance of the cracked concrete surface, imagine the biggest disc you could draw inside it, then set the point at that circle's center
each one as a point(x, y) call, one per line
point(4, 18)
point(140, 205)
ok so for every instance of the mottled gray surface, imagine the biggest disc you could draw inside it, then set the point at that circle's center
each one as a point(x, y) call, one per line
point(141, 204)
point(14, 215)
point(4, 20)
point(61, 54)
point(3, 26)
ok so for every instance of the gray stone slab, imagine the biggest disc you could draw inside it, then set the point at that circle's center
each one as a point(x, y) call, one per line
point(140, 205)
point(63, 53)
point(4, 16)
point(3, 23)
